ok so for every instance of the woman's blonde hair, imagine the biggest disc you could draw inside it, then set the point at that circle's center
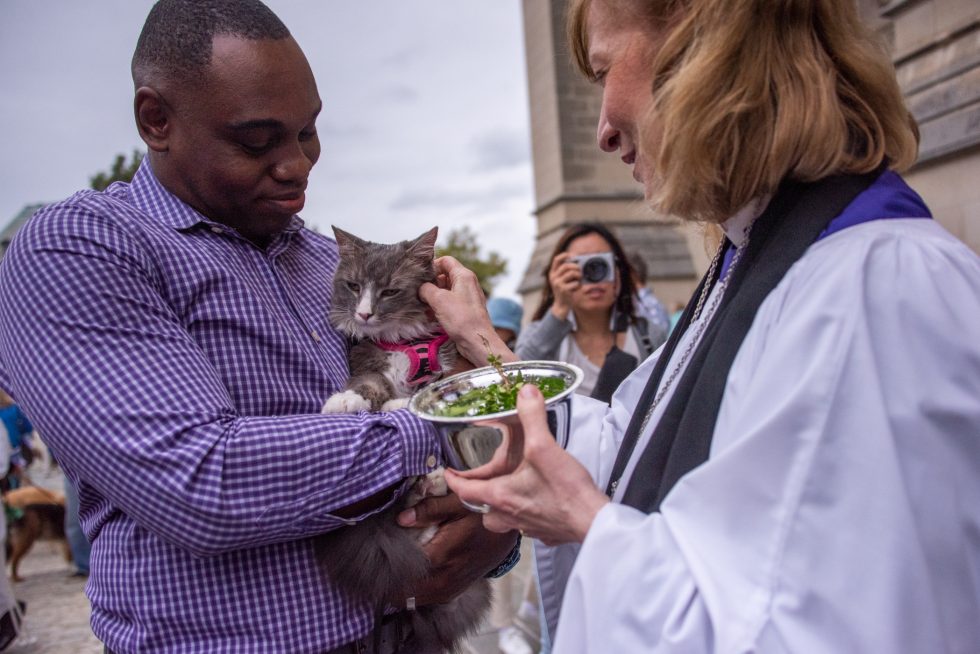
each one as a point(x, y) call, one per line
point(749, 92)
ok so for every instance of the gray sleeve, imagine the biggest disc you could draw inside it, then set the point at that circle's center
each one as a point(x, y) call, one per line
point(542, 338)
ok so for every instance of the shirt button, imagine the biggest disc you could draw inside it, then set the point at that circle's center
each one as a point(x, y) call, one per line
point(316, 337)
point(431, 461)
point(217, 230)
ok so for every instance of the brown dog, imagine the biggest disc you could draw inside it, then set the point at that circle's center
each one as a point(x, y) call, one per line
point(43, 517)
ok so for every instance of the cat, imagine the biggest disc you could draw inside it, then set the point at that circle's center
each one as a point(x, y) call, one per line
point(376, 303)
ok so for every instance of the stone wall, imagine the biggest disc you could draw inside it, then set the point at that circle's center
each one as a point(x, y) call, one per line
point(935, 45)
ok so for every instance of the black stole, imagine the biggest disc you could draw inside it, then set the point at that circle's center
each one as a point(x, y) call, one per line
point(681, 440)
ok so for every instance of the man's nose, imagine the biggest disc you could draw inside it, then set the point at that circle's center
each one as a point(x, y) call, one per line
point(295, 167)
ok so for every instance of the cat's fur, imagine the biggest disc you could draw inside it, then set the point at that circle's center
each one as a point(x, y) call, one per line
point(376, 298)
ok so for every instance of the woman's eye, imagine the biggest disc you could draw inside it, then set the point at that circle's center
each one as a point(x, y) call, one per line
point(354, 288)
point(390, 292)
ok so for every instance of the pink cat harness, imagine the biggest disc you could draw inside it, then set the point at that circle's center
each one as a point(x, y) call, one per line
point(423, 357)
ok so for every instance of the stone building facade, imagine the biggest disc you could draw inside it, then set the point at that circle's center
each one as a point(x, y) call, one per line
point(935, 45)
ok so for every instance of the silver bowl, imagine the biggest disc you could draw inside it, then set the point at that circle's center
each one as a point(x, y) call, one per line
point(470, 441)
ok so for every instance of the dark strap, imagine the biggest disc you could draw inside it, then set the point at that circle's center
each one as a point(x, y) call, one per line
point(681, 441)
point(649, 391)
point(616, 367)
point(641, 332)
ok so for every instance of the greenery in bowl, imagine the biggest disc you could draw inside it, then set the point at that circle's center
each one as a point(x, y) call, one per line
point(500, 396)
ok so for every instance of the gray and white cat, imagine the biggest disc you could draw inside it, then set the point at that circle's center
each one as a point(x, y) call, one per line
point(376, 303)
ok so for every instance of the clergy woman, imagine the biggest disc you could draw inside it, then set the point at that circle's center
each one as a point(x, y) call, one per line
point(798, 469)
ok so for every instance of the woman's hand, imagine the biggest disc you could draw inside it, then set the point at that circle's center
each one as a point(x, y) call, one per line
point(565, 277)
point(461, 308)
point(461, 552)
point(549, 495)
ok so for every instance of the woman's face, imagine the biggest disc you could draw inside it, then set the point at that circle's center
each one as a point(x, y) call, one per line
point(621, 54)
point(598, 296)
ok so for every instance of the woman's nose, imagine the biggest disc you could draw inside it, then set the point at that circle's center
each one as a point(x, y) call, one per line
point(607, 135)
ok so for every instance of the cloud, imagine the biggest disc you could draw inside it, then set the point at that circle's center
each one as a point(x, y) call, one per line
point(486, 198)
point(398, 94)
point(500, 149)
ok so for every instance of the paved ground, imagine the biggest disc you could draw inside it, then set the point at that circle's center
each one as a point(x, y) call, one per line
point(57, 620)
point(57, 609)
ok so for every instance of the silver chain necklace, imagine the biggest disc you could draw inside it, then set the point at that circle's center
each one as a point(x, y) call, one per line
point(699, 330)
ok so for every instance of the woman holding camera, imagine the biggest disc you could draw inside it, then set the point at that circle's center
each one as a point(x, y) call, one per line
point(587, 316)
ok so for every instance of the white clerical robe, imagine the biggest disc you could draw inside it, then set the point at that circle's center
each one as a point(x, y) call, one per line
point(839, 509)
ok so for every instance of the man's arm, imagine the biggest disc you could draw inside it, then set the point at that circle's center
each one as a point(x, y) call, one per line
point(132, 405)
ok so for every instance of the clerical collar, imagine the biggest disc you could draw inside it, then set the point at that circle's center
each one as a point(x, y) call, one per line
point(736, 227)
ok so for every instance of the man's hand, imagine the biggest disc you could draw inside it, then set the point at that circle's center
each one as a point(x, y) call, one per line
point(461, 552)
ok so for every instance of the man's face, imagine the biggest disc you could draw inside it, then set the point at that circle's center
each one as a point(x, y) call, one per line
point(242, 142)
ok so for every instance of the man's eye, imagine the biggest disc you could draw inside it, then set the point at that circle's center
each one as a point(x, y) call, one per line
point(256, 150)
point(599, 77)
point(307, 134)
point(390, 292)
point(354, 288)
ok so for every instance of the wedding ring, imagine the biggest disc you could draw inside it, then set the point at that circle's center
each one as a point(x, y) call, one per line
point(410, 604)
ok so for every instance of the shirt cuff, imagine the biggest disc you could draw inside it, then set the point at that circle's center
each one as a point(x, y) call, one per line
point(420, 442)
point(507, 564)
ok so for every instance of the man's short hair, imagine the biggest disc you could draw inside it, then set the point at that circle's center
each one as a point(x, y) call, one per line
point(177, 36)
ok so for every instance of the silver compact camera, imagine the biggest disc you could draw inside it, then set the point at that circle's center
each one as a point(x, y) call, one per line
point(600, 267)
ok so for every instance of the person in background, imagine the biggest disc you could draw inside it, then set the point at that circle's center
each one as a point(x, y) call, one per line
point(506, 316)
point(647, 304)
point(587, 316)
point(11, 609)
point(19, 436)
point(179, 353)
point(77, 540)
point(798, 469)
point(676, 311)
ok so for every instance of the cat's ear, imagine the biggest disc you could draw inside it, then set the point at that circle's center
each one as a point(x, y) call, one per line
point(346, 241)
point(424, 247)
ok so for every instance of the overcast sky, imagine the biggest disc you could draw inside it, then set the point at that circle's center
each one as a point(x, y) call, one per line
point(425, 118)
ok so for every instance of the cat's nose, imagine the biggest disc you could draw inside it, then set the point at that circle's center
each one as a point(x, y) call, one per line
point(364, 316)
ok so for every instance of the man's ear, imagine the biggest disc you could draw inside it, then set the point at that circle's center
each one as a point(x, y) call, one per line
point(152, 118)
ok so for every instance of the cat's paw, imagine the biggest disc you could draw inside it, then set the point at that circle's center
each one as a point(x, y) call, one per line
point(346, 402)
point(394, 405)
point(432, 484)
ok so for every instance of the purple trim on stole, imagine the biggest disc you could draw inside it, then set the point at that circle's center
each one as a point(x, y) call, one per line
point(888, 197)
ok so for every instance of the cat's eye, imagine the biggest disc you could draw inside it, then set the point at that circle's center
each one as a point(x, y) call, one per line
point(390, 292)
point(353, 288)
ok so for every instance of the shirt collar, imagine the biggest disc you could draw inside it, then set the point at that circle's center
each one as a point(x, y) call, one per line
point(153, 199)
point(736, 227)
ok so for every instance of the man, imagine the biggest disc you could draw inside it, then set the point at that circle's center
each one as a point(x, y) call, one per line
point(505, 316)
point(647, 304)
point(180, 352)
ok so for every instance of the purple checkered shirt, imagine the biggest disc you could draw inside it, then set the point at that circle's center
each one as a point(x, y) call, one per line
point(177, 372)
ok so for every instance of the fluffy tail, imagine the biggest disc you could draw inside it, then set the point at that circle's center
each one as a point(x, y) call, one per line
point(376, 560)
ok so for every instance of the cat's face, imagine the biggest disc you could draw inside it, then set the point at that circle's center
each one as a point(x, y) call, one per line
point(375, 290)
